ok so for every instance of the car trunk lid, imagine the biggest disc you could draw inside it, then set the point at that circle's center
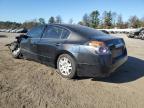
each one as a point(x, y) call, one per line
point(117, 48)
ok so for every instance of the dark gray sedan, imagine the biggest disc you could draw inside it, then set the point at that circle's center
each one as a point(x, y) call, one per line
point(72, 49)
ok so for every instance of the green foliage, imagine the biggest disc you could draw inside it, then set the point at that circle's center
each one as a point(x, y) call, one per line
point(14, 25)
point(94, 16)
point(30, 24)
point(9, 25)
point(108, 19)
point(80, 23)
point(51, 20)
point(41, 21)
point(95, 20)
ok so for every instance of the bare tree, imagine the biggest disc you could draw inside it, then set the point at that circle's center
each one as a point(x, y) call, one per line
point(142, 22)
point(134, 22)
point(120, 21)
point(71, 21)
point(58, 19)
point(114, 17)
point(86, 20)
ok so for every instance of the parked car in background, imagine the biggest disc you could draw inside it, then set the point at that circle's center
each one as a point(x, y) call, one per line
point(3, 30)
point(22, 30)
point(73, 49)
point(142, 34)
point(138, 34)
point(13, 31)
point(104, 31)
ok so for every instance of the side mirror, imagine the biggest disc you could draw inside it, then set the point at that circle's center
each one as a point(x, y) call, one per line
point(22, 36)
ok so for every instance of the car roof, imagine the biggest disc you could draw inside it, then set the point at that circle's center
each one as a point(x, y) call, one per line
point(81, 30)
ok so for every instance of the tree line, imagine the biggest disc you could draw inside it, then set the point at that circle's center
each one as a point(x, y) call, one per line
point(29, 24)
point(110, 19)
point(95, 19)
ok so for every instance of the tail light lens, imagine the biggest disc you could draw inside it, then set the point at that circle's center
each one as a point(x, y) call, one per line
point(100, 47)
point(96, 43)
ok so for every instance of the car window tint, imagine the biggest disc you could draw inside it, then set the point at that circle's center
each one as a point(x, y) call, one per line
point(86, 31)
point(53, 32)
point(36, 32)
point(65, 34)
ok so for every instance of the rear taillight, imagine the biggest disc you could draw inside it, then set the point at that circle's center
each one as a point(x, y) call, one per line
point(96, 43)
point(99, 47)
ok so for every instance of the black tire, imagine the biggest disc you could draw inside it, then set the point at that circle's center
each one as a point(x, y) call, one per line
point(130, 36)
point(15, 49)
point(73, 65)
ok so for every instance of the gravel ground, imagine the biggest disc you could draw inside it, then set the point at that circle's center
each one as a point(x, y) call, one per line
point(27, 84)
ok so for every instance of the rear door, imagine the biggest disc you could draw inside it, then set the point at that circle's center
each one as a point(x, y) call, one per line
point(30, 45)
point(51, 43)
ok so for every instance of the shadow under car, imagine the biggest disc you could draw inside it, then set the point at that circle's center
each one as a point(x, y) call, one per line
point(132, 70)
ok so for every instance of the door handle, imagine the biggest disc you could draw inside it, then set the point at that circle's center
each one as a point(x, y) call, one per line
point(57, 44)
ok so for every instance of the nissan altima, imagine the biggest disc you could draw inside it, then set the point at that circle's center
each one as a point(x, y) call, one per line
point(74, 50)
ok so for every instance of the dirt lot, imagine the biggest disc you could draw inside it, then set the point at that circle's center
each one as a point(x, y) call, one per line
point(27, 84)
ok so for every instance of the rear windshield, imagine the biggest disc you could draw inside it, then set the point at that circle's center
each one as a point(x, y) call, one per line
point(87, 31)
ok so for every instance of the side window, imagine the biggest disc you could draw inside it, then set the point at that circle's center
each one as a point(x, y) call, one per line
point(53, 32)
point(36, 32)
point(65, 34)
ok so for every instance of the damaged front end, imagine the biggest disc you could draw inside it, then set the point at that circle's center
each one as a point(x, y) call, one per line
point(14, 47)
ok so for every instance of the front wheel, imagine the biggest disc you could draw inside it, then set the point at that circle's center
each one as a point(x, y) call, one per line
point(15, 49)
point(66, 66)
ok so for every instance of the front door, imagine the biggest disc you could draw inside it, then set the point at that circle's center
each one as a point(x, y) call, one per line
point(30, 45)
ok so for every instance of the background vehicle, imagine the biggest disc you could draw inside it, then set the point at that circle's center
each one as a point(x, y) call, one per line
point(104, 31)
point(72, 49)
point(138, 34)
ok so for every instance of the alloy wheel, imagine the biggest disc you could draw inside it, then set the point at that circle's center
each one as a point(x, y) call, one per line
point(65, 66)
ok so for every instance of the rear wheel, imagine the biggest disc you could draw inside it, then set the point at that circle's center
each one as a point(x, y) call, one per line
point(66, 66)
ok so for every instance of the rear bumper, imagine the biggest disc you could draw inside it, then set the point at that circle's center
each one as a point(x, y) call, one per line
point(118, 63)
point(102, 69)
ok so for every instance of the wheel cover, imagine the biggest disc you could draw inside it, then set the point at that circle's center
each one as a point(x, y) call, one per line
point(15, 52)
point(65, 66)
